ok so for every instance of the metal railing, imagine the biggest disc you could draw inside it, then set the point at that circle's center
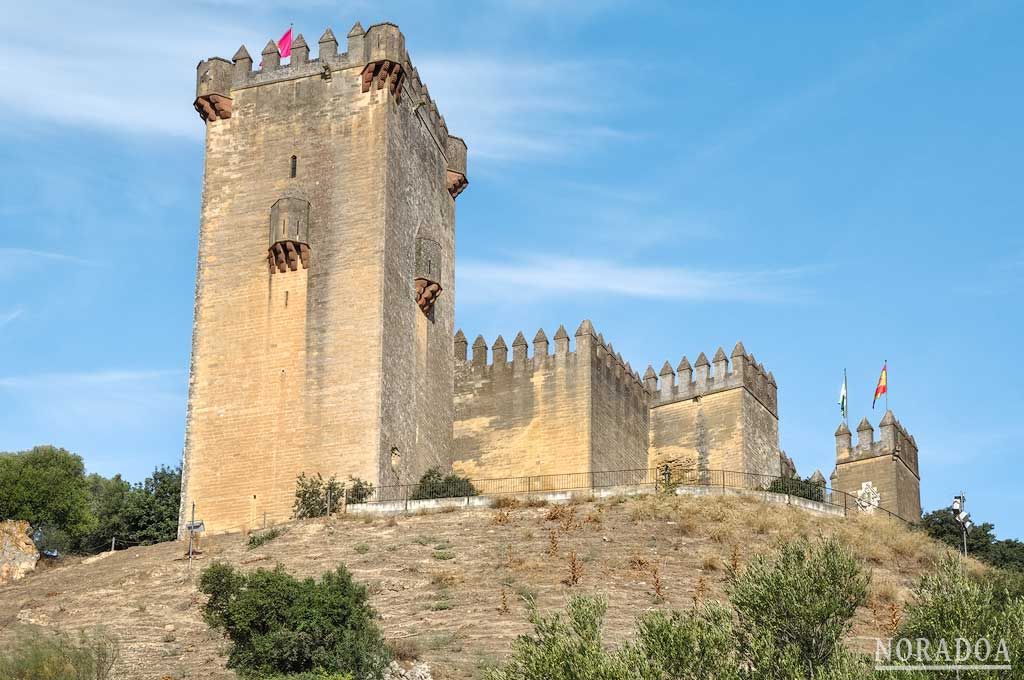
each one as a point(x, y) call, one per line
point(662, 478)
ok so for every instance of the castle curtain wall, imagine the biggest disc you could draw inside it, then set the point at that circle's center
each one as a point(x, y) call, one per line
point(531, 416)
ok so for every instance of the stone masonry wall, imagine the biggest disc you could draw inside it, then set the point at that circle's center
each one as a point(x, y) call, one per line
point(619, 413)
point(525, 417)
point(709, 417)
point(579, 410)
point(890, 464)
point(332, 367)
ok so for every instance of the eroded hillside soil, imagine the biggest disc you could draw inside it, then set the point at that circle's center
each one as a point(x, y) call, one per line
point(451, 588)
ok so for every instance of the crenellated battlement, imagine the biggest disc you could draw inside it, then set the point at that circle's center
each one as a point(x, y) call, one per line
point(894, 440)
point(585, 347)
point(706, 377)
point(377, 57)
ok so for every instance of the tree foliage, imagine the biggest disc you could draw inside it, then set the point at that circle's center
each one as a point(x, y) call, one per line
point(72, 511)
point(981, 540)
point(280, 625)
point(46, 486)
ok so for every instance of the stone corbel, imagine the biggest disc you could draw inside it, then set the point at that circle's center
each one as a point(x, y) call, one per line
point(427, 293)
point(213, 107)
point(383, 73)
point(456, 183)
point(285, 255)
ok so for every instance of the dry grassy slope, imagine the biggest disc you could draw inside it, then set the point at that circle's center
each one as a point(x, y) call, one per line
point(449, 611)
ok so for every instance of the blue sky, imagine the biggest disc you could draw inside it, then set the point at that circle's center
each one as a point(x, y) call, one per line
point(834, 186)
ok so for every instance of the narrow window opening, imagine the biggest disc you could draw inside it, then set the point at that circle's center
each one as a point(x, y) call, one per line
point(295, 165)
point(286, 298)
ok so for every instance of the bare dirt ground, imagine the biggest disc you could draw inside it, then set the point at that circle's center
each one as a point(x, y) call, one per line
point(451, 588)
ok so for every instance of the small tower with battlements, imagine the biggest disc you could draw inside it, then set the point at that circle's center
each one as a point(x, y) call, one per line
point(881, 473)
point(324, 308)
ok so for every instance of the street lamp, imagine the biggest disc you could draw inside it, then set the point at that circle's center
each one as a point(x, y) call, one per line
point(961, 517)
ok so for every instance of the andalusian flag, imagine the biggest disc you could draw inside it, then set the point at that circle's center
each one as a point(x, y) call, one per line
point(842, 397)
point(883, 384)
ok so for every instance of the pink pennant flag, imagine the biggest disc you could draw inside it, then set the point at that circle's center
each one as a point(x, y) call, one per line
point(284, 45)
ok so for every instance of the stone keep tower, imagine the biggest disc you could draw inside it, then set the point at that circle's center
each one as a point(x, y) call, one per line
point(879, 473)
point(324, 307)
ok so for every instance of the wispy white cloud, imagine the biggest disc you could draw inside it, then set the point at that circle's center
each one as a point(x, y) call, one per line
point(140, 79)
point(110, 65)
point(114, 418)
point(556, 276)
point(23, 254)
point(87, 378)
point(9, 316)
point(525, 108)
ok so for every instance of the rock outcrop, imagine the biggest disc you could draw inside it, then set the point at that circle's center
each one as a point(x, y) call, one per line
point(412, 671)
point(18, 554)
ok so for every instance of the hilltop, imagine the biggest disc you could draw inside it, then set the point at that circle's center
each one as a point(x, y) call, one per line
point(451, 587)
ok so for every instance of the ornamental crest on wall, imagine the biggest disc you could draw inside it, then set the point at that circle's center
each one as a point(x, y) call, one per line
point(868, 497)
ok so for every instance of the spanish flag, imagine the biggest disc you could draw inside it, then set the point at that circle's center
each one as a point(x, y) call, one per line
point(883, 383)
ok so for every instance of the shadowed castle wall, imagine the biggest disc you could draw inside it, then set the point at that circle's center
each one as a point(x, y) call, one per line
point(619, 413)
point(330, 366)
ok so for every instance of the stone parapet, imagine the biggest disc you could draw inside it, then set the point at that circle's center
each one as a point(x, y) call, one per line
point(708, 377)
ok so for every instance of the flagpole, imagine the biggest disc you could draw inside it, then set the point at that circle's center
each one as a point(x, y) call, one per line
point(846, 411)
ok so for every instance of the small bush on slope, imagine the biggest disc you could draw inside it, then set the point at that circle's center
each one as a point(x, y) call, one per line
point(804, 488)
point(280, 625)
point(87, 656)
point(802, 599)
point(313, 494)
point(433, 484)
point(949, 604)
point(788, 616)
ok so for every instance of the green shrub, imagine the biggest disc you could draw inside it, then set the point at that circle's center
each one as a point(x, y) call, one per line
point(85, 656)
point(788, 617)
point(358, 490)
point(256, 540)
point(794, 486)
point(949, 604)
point(434, 484)
point(800, 601)
point(309, 676)
point(563, 647)
point(313, 494)
point(361, 548)
point(697, 643)
point(280, 625)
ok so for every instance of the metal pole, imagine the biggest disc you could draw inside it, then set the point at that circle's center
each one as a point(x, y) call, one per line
point(113, 540)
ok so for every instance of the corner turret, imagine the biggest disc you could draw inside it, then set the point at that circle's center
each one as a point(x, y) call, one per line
point(882, 473)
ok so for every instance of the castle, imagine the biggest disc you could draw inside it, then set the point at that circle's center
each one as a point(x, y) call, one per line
point(324, 338)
